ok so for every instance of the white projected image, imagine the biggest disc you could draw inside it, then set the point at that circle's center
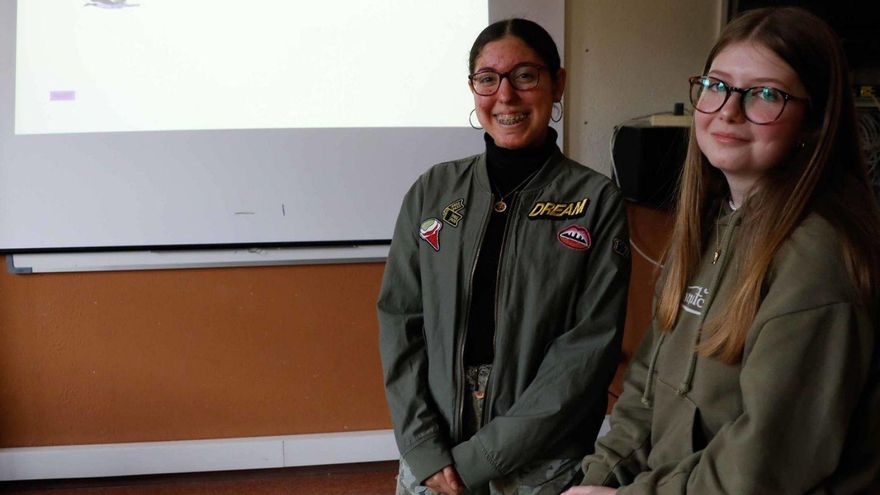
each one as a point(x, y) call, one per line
point(151, 65)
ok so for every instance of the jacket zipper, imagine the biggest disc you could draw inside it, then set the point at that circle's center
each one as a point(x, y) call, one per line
point(459, 433)
point(483, 416)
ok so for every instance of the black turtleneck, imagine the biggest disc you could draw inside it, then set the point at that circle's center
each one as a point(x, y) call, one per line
point(509, 171)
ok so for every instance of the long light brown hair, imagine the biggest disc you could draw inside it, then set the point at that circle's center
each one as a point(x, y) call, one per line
point(827, 176)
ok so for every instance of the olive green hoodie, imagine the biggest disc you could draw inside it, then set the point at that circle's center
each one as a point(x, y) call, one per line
point(799, 414)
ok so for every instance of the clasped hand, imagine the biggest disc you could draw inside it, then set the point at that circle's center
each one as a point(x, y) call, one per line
point(446, 482)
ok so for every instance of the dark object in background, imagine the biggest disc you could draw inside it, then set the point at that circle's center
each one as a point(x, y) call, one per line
point(857, 22)
point(647, 162)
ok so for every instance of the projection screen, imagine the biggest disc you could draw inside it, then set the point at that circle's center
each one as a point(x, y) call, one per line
point(140, 123)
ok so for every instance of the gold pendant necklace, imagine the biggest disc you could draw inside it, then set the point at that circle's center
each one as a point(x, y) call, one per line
point(718, 234)
point(500, 206)
point(717, 237)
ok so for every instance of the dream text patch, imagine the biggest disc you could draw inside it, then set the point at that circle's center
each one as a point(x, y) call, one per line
point(558, 211)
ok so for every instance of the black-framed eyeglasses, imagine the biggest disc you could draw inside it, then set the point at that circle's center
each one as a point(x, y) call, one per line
point(759, 104)
point(523, 77)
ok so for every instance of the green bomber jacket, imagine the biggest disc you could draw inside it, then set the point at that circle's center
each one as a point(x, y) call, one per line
point(560, 306)
point(799, 414)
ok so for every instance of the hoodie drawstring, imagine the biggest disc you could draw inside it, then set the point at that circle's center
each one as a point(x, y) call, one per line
point(687, 382)
point(649, 380)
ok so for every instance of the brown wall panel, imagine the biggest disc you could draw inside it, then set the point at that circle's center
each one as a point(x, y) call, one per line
point(189, 354)
point(649, 230)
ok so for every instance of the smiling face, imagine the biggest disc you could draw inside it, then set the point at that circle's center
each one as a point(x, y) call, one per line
point(516, 119)
point(744, 151)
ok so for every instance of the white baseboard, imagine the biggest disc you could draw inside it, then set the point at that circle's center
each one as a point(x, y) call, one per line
point(125, 459)
point(190, 456)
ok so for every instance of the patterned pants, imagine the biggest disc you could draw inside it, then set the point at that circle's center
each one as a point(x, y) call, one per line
point(540, 477)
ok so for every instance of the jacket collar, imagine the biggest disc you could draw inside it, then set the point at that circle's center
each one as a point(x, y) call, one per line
point(548, 171)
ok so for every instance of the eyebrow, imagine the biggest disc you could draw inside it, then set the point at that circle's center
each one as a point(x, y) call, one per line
point(518, 64)
point(759, 80)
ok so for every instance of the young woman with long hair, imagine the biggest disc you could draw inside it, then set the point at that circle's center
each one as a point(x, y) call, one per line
point(760, 371)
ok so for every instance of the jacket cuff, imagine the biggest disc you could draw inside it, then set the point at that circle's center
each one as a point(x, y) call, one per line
point(595, 474)
point(473, 464)
point(426, 458)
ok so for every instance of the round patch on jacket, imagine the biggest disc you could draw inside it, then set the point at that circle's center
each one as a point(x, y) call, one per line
point(575, 237)
point(430, 232)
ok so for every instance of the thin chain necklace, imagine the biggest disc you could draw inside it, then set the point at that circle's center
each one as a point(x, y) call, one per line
point(500, 206)
point(719, 235)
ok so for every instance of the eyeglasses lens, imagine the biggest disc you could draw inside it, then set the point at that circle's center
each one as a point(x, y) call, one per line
point(763, 105)
point(486, 83)
point(525, 77)
point(708, 95)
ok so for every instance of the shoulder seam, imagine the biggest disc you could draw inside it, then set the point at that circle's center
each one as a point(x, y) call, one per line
point(805, 310)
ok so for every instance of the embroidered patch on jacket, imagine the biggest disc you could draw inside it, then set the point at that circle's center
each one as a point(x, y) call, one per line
point(452, 214)
point(430, 232)
point(620, 247)
point(558, 211)
point(575, 237)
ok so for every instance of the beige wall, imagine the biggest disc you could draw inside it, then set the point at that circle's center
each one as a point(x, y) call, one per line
point(628, 58)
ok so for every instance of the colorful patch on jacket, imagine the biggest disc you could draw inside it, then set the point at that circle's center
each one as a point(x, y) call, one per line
point(452, 214)
point(575, 237)
point(430, 232)
point(558, 211)
point(620, 247)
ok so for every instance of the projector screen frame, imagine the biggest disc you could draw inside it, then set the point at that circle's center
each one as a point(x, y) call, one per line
point(549, 14)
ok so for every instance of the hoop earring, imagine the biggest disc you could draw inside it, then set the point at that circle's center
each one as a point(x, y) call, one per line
point(553, 115)
point(471, 120)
